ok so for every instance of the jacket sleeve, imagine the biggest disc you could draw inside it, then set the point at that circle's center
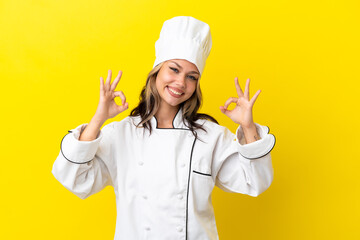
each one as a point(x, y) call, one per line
point(86, 167)
point(244, 168)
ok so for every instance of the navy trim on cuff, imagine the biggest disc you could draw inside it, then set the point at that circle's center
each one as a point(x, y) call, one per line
point(66, 157)
point(265, 153)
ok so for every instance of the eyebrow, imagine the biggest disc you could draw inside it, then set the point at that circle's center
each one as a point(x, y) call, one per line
point(181, 68)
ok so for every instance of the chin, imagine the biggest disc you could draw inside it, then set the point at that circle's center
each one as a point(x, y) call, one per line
point(174, 104)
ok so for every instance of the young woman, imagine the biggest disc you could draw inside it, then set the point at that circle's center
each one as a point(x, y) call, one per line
point(165, 158)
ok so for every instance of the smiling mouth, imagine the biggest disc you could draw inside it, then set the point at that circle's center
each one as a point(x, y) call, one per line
point(174, 92)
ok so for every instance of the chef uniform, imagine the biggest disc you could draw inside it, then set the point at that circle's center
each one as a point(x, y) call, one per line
point(163, 181)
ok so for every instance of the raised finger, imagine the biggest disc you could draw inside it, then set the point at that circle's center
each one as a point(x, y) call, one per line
point(253, 99)
point(116, 81)
point(108, 80)
point(229, 101)
point(247, 89)
point(101, 84)
point(238, 88)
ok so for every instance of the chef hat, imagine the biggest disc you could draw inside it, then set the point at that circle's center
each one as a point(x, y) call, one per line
point(184, 37)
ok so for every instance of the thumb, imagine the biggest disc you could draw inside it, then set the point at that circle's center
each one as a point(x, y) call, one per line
point(224, 110)
point(123, 107)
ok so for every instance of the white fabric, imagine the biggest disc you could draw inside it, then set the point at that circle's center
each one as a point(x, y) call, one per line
point(163, 182)
point(184, 37)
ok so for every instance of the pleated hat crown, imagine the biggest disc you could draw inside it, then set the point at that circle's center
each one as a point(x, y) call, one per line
point(184, 37)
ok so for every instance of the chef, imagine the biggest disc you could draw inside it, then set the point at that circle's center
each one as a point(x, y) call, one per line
point(165, 158)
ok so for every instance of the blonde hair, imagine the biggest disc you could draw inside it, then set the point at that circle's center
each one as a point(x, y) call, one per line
point(150, 103)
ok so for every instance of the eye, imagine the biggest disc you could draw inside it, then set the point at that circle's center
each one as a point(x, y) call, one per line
point(174, 69)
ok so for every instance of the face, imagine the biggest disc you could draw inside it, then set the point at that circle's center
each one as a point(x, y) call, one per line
point(176, 81)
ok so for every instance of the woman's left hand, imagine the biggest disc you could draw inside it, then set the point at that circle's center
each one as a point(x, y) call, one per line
point(242, 113)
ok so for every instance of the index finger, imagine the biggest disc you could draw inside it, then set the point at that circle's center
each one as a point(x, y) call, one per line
point(116, 81)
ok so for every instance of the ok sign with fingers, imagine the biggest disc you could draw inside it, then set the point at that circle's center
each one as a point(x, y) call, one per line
point(242, 113)
point(107, 107)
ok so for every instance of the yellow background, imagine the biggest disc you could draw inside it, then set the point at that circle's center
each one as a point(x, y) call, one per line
point(303, 55)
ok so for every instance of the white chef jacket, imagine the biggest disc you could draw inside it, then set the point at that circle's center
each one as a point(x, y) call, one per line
point(163, 181)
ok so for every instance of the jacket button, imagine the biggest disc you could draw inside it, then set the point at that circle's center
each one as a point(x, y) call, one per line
point(140, 163)
point(147, 228)
point(179, 229)
point(179, 196)
point(183, 165)
point(145, 197)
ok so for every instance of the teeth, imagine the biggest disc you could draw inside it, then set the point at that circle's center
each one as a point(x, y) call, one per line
point(174, 92)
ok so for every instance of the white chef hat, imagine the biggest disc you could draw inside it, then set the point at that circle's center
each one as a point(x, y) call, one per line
point(184, 37)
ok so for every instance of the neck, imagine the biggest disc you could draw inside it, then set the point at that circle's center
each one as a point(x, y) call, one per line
point(165, 115)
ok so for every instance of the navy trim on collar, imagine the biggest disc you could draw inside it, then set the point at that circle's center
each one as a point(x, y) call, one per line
point(177, 122)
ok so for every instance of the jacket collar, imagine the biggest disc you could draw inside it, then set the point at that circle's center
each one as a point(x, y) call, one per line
point(177, 121)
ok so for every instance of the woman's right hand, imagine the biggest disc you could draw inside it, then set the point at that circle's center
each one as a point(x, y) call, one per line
point(107, 107)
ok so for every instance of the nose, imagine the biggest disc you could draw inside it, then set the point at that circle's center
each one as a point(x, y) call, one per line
point(181, 82)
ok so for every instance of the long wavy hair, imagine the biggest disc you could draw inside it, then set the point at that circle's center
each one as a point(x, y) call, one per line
point(150, 102)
